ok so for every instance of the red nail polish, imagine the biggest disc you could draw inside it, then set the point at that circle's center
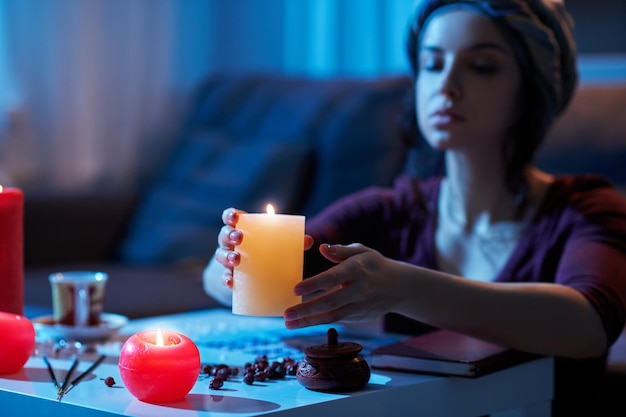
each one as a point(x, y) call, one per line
point(291, 315)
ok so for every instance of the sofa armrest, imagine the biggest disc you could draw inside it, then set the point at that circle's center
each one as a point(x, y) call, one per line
point(74, 227)
point(135, 291)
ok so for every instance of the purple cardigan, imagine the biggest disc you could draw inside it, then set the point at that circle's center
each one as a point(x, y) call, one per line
point(577, 237)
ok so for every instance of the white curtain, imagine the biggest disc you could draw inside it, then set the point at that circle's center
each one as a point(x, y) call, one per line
point(100, 82)
point(347, 37)
point(92, 90)
point(319, 38)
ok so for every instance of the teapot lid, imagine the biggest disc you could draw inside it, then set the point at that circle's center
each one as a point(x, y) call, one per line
point(333, 348)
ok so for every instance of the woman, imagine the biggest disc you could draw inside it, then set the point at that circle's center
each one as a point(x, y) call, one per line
point(491, 247)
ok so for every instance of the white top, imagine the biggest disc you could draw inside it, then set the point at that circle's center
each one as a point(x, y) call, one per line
point(478, 254)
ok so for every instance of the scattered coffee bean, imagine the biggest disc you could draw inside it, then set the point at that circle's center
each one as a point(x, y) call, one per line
point(260, 370)
point(216, 382)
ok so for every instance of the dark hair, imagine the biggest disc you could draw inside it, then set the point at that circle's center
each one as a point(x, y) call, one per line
point(538, 110)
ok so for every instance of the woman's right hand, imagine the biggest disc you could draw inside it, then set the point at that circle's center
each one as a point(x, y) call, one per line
point(228, 238)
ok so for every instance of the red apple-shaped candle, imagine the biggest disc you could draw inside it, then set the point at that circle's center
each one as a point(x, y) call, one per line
point(18, 342)
point(159, 366)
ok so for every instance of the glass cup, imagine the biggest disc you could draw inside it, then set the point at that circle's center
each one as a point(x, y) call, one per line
point(78, 297)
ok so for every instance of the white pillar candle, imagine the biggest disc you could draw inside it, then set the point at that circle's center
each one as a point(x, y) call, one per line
point(272, 258)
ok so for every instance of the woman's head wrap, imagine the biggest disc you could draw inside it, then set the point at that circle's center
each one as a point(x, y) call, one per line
point(540, 35)
point(545, 29)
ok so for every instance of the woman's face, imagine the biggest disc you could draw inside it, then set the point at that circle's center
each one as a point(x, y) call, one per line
point(468, 85)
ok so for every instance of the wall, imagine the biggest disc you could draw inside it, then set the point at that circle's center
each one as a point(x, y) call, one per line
point(600, 25)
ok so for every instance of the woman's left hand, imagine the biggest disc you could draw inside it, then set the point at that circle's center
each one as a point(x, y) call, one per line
point(361, 286)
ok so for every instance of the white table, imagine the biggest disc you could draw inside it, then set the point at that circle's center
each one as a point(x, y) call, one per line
point(524, 390)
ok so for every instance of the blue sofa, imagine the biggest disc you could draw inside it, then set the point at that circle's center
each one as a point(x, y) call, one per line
point(251, 139)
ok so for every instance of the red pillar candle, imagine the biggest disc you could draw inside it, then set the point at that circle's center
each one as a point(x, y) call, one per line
point(159, 366)
point(17, 342)
point(11, 250)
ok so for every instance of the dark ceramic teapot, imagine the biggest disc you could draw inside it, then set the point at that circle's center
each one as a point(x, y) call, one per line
point(334, 366)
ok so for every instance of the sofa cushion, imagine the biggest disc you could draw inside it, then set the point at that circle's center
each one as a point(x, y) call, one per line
point(590, 137)
point(359, 143)
point(300, 143)
point(180, 217)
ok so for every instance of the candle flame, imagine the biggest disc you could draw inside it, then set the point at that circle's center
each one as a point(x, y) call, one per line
point(270, 209)
point(1, 188)
point(159, 338)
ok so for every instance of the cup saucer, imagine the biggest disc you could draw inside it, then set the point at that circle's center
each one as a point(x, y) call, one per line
point(47, 329)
